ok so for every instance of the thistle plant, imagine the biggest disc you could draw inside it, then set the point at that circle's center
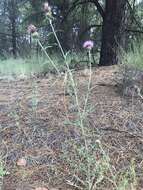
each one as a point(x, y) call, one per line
point(32, 30)
point(88, 45)
point(81, 113)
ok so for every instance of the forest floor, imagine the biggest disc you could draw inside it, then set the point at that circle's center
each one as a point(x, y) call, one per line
point(32, 126)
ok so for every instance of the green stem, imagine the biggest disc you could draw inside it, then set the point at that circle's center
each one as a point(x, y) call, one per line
point(51, 61)
point(62, 51)
point(89, 82)
point(77, 102)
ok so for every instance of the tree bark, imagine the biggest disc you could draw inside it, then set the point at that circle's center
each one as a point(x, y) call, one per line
point(83, 25)
point(12, 8)
point(113, 32)
point(14, 46)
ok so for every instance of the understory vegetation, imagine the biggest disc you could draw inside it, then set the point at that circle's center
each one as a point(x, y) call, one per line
point(38, 64)
point(85, 156)
point(65, 122)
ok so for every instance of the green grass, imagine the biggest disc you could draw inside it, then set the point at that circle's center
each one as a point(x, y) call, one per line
point(40, 64)
point(134, 57)
point(2, 170)
point(26, 67)
point(20, 67)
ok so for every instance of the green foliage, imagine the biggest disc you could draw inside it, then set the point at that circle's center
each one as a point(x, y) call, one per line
point(79, 161)
point(20, 67)
point(12, 67)
point(3, 172)
point(39, 64)
point(134, 57)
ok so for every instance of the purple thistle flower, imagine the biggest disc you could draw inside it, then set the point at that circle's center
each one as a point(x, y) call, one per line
point(88, 44)
point(47, 9)
point(32, 29)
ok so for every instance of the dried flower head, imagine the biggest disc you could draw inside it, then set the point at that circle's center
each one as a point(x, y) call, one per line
point(88, 45)
point(31, 29)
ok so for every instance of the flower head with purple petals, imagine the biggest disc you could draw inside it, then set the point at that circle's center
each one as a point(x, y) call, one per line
point(88, 44)
point(32, 29)
point(46, 7)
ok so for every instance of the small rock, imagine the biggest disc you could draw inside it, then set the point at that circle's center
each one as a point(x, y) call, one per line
point(22, 162)
point(41, 188)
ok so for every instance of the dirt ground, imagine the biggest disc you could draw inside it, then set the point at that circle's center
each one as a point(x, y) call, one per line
point(32, 116)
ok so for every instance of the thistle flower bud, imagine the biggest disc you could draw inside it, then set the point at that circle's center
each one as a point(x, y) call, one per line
point(35, 35)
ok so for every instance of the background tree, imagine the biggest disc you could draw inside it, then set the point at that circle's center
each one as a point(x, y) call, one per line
point(112, 24)
point(113, 31)
point(13, 15)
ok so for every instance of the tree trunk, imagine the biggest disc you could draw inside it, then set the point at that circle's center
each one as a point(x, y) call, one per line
point(83, 25)
point(14, 48)
point(12, 8)
point(64, 26)
point(113, 31)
